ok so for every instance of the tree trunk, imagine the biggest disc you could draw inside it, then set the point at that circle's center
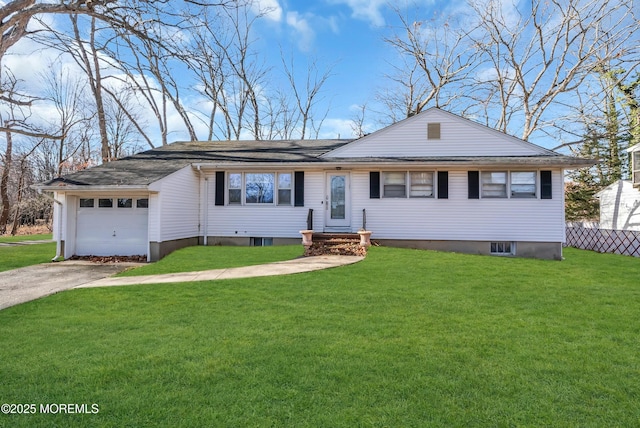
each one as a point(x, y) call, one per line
point(4, 185)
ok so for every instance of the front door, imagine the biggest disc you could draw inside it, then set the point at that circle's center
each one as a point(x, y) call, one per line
point(338, 215)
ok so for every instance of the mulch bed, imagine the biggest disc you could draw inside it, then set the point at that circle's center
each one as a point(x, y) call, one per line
point(112, 259)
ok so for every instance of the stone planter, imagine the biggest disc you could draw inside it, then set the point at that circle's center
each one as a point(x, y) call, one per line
point(307, 237)
point(365, 238)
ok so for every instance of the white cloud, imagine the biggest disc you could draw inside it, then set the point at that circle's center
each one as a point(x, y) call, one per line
point(271, 9)
point(302, 28)
point(366, 10)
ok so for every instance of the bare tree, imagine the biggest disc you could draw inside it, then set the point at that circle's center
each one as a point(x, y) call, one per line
point(537, 57)
point(66, 95)
point(508, 66)
point(434, 58)
point(306, 95)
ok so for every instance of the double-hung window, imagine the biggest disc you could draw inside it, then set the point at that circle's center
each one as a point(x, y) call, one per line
point(523, 184)
point(235, 188)
point(284, 188)
point(394, 184)
point(415, 184)
point(421, 184)
point(494, 184)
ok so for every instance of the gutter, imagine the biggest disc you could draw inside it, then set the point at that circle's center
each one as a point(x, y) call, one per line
point(205, 219)
point(59, 240)
point(91, 188)
point(495, 162)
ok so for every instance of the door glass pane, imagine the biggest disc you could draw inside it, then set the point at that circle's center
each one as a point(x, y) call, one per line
point(338, 186)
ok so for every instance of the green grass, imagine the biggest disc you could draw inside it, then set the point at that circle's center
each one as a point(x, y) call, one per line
point(215, 257)
point(405, 338)
point(20, 238)
point(26, 255)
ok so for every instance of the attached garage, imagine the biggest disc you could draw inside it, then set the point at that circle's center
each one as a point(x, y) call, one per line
point(108, 226)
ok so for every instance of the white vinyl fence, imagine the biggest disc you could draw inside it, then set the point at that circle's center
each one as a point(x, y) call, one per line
point(588, 236)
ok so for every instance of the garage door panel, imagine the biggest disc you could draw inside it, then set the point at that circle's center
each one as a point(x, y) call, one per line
point(111, 231)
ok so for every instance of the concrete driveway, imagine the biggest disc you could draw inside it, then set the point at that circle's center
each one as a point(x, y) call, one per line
point(32, 282)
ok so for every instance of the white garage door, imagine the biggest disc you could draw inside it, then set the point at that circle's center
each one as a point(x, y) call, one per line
point(112, 227)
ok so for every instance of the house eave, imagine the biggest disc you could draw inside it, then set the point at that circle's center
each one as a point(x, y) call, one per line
point(88, 188)
point(563, 162)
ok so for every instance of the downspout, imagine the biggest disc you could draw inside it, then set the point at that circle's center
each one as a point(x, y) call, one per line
point(59, 240)
point(205, 220)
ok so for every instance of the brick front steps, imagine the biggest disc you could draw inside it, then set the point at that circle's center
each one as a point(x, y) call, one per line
point(345, 244)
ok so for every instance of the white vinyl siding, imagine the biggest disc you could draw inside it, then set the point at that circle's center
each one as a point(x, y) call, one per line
point(458, 218)
point(459, 137)
point(177, 205)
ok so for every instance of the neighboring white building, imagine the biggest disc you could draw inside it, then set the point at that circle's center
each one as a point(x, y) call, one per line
point(620, 206)
point(434, 180)
point(620, 201)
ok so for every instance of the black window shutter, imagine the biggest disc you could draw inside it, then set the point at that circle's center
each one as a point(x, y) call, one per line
point(546, 188)
point(443, 185)
point(298, 189)
point(374, 185)
point(474, 184)
point(219, 197)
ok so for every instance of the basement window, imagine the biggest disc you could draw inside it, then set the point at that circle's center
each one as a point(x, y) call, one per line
point(503, 248)
point(261, 242)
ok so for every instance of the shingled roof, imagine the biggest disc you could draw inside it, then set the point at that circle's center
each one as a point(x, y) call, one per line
point(150, 166)
point(147, 167)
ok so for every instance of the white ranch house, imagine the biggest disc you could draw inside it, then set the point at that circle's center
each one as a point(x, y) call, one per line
point(434, 180)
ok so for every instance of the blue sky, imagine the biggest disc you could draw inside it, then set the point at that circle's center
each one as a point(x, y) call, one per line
point(345, 34)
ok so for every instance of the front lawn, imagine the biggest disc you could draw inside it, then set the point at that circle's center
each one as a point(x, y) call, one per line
point(20, 238)
point(405, 338)
point(192, 259)
point(18, 256)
